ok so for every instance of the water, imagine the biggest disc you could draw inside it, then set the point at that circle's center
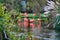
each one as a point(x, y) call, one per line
point(47, 34)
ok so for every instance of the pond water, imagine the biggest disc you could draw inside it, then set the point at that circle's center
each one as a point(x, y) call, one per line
point(47, 34)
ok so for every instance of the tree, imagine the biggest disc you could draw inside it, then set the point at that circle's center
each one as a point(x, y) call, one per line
point(36, 5)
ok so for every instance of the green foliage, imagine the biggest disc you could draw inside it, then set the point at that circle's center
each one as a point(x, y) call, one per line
point(1, 10)
point(58, 9)
point(36, 5)
point(1, 16)
point(58, 1)
point(57, 22)
point(9, 24)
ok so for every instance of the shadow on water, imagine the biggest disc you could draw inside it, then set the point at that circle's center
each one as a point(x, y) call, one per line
point(57, 35)
point(48, 34)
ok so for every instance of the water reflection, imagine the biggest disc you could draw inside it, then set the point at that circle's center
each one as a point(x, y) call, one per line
point(57, 36)
point(47, 34)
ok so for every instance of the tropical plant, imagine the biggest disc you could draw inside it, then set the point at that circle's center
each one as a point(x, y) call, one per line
point(8, 23)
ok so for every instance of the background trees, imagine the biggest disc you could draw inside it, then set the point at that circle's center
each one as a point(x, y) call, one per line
point(35, 5)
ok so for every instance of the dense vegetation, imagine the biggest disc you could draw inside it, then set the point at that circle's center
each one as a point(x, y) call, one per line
point(8, 22)
point(35, 5)
point(10, 13)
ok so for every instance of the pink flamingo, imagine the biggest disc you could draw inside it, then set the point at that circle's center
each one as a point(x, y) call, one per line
point(32, 23)
point(39, 23)
point(19, 23)
point(25, 22)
